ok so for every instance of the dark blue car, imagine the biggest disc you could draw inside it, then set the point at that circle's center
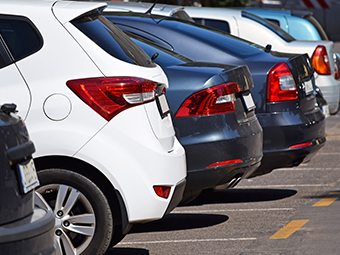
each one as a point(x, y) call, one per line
point(214, 118)
point(284, 87)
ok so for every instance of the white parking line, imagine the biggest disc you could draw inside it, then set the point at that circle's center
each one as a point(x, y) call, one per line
point(308, 168)
point(190, 241)
point(282, 186)
point(234, 210)
point(327, 153)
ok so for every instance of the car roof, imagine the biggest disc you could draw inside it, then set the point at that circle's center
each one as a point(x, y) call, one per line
point(63, 10)
point(161, 9)
point(215, 10)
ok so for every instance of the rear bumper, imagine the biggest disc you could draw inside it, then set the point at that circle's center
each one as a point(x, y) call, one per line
point(177, 196)
point(330, 89)
point(281, 130)
point(208, 178)
point(211, 140)
point(288, 158)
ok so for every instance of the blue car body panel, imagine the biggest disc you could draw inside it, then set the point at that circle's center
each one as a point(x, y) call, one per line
point(297, 26)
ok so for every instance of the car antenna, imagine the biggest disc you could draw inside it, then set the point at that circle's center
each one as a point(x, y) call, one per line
point(268, 48)
point(150, 10)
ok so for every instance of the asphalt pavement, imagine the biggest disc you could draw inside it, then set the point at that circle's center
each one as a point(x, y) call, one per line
point(289, 211)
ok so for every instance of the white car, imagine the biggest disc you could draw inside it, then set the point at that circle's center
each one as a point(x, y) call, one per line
point(106, 152)
point(175, 11)
point(258, 30)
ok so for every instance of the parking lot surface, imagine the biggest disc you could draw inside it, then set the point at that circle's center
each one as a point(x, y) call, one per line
point(289, 211)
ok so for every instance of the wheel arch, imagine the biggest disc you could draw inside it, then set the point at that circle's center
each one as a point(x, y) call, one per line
point(113, 196)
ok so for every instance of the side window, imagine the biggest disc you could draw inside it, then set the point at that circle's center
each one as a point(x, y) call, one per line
point(4, 59)
point(276, 22)
point(217, 24)
point(20, 36)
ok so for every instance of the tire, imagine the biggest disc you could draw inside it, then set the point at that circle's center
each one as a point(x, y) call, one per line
point(84, 223)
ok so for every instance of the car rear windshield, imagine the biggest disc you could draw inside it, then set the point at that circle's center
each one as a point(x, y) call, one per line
point(235, 45)
point(111, 39)
point(271, 26)
point(165, 57)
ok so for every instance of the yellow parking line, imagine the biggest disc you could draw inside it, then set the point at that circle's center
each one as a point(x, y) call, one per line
point(289, 229)
point(331, 197)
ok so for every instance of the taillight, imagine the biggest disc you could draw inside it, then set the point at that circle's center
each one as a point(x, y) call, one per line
point(110, 96)
point(320, 61)
point(224, 163)
point(336, 74)
point(162, 191)
point(214, 100)
point(300, 145)
point(281, 85)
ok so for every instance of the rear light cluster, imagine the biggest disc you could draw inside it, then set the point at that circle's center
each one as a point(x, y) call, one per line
point(300, 145)
point(281, 84)
point(214, 100)
point(320, 61)
point(162, 191)
point(110, 96)
point(225, 163)
point(336, 74)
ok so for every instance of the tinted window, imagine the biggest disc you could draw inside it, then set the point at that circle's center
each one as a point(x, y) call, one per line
point(276, 22)
point(4, 58)
point(165, 58)
point(20, 35)
point(218, 24)
point(274, 28)
point(112, 39)
point(235, 45)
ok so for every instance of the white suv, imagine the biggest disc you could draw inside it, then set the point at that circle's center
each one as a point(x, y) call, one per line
point(94, 102)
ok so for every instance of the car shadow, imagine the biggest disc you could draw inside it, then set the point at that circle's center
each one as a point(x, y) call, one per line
point(170, 222)
point(127, 251)
point(237, 195)
point(327, 194)
point(180, 221)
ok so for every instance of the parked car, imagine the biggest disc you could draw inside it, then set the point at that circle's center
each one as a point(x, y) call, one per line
point(106, 153)
point(214, 118)
point(256, 29)
point(284, 94)
point(299, 24)
point(22, 223)
point(175, 11)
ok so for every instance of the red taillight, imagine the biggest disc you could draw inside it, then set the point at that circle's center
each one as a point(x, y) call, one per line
point(214, 100)
point(320, 61)
point(336, 74)
point(281, 85)
point(301, 145)
point(162, 191)
point(110, 96)
point(227, 162)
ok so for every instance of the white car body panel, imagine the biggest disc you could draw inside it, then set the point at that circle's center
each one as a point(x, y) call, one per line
point(142, 7)
point(257, 33)
point(136, 150)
